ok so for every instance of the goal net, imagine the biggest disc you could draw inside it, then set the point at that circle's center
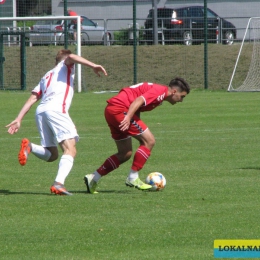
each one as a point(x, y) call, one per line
point(244, 79)
point(28, 47)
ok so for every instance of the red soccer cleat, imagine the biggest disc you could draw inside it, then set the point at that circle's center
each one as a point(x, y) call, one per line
point(24, 151)
point(59, 189)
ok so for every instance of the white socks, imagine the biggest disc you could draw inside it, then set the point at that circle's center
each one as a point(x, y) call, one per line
point(133, 175)
point(41, 152)
point(97, 176)
point(65, 165)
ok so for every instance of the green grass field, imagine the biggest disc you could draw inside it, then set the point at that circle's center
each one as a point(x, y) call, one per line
point(207, 148)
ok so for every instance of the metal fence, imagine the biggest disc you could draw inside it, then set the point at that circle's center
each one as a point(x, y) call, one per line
point(114, 50)
point(121, 31)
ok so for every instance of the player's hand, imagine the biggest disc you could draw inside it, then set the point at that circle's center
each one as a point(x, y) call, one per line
point(13, 127)
point(98, 68)
point(124, 125)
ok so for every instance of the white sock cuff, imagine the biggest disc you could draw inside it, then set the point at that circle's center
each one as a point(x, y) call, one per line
point(133, 175)
point(68, 157)
point(97, 176)
point(133, 172)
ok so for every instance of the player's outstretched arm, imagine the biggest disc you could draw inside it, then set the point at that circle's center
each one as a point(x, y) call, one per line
point(14, 126)
point(73, 58)
point(137, 103)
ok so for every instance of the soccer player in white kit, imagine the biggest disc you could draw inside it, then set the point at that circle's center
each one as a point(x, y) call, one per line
point(52, 118)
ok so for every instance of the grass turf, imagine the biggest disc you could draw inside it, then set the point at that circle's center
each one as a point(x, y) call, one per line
point(207, 148)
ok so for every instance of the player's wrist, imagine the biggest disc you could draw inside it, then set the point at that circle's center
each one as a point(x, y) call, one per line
point(18, 120)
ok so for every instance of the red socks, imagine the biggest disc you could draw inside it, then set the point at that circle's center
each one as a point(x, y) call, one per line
point(109, 165)
point(141, 156)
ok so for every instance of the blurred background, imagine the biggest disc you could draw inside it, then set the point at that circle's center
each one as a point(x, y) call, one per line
point(140, 40)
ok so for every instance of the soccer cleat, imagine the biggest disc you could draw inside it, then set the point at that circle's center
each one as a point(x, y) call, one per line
point(137, 183)
point(90, 183)
point(59, 189)
point(24, 151)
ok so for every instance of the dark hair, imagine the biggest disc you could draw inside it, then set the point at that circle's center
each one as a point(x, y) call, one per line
point(62, 55)
point(180, 83)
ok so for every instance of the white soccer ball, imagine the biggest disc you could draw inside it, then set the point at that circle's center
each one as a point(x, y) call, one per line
point(156, 180)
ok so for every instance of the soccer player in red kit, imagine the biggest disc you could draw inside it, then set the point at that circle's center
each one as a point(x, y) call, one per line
point(123, 117)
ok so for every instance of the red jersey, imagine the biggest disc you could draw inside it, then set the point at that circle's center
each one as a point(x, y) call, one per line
point(153, 95)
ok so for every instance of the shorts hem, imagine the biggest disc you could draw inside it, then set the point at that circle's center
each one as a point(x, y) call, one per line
point(122, 138)
point(76, 137)
point(140, 133)
point(130, 136)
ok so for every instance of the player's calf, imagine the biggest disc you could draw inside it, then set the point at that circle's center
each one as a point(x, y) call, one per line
point(123, 157)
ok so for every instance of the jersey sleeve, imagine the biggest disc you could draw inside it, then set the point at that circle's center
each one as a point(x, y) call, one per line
point(37, 90)
point(157, 92)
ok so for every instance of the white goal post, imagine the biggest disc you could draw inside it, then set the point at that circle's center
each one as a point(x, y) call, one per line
point(251, 82)
point(55, 18)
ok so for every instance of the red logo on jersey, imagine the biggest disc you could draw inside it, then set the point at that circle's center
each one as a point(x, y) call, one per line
point(49, 81)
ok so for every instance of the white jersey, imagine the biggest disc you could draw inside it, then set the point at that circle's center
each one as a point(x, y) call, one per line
point(56, 89)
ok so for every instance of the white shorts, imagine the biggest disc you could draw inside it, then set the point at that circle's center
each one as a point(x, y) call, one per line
point(55, 127)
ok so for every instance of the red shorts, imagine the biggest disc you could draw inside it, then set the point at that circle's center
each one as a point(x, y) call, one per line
point(115, 115)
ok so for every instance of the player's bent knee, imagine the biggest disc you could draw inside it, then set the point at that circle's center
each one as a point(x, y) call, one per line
point(150, 143)
point(54, 154)
point(128, 155)
point(73, 153)
point(123, 157)
point(53, 158)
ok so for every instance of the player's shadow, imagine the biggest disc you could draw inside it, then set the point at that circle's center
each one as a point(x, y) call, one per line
point(250, 168)
point(8, 192)
point(116, 191)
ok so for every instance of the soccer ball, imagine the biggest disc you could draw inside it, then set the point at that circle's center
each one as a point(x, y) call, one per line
point(156, 180)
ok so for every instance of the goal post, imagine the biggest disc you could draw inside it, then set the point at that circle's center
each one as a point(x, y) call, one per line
point(244, 80)
point(78, 46)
